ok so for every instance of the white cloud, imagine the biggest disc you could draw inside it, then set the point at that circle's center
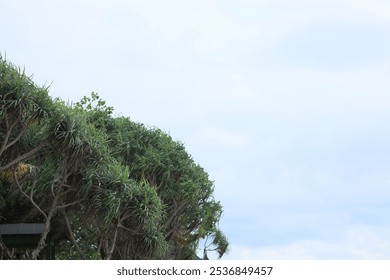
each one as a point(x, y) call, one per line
point(358, 242)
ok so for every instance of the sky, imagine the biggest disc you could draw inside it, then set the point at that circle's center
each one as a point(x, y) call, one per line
point(286, 104)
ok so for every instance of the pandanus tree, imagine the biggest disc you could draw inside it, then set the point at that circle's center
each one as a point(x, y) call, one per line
point(104, 186)
point(190, 212)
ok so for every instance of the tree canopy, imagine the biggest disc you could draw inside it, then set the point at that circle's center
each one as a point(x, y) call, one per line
point(104, 186)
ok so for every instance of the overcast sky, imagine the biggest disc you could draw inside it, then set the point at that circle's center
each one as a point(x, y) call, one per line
point(286, 104)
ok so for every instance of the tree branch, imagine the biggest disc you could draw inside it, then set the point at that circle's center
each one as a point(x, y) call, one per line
point(4, 146)
point(25, 156)
point(176, 213)
point(70, 231)
point(69, 204)
point(29, 197)
point(5, 140)
point(128, 229)
point(111, 251)
point(17, 138)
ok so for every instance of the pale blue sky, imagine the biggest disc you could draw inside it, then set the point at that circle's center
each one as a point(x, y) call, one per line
point(285, 103)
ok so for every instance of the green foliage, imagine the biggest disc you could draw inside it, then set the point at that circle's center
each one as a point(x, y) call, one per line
point(23, 105)
point(109, 187)
point(95, 103)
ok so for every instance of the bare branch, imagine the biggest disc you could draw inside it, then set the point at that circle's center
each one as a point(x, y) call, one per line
point(46, 230)
point(128, 229)
point(5, 141)
point(70, 231)
point(69, 204)
point(29, 197)
point(111, 251)
point(176, 213)
point(17, 138)
point(52, 188)
point(9, 131)
point(25, 156)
